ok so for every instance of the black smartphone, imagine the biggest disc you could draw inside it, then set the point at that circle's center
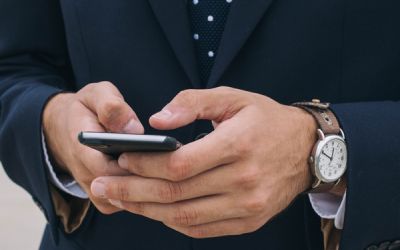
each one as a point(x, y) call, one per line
point(115, 144)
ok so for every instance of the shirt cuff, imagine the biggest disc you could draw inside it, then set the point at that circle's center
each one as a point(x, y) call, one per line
point(329, 206)
point(64, 182)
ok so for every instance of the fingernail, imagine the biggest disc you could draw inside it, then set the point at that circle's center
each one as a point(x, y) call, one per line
point(98, 189)
point(123, 161)
point(133, 127)
point(116, 203)
point(163, 115)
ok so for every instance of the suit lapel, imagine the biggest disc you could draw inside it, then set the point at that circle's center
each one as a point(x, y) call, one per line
point(242, 19)
point(173, 18)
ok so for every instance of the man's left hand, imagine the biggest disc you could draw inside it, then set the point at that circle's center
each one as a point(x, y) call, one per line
point(234, 180)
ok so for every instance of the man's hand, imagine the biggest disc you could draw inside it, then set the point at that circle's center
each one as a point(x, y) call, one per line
point(230, 182)
point(96, 107)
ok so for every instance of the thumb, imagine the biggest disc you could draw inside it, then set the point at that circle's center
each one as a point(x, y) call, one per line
point(105, 100)
point(216, 104)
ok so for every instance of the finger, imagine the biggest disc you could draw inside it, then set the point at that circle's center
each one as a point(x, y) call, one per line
point(97, 163)
point(212, 104)
point(227, 227)
point(186, 213)
point(139, 189)
point(100, 164)
point(207, 153)
point(113, 112)
point(103, 205)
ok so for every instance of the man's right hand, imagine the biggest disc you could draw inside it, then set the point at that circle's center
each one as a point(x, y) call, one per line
point(97, 107)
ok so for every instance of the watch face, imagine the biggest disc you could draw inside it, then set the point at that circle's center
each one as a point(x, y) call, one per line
point(331, 158)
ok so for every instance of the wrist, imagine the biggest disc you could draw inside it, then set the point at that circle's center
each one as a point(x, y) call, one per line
point(52, 109)
point(328, 160)
point(308, 137)
point(51, 116)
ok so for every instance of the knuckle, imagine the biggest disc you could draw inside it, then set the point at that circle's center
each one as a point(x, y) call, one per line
point(253, 225)
point(170, 192)
point(224, 89)
point(136, 207)
point(100, 170)
point(117, 190)
point(75, 105)
point(95, 86)
point(110, 110)
point(184, 217)
point(255, 205)
point(107, 211)
point(242, 148)
point(105, 208)
point(84, 179)
point(248, 179)
point(178, 168)
point(106, 84)
point(96, 171)
point(187, 97)
point(135, 163)
point(228, 144)
point(89, 87)
point(197, 233)
point(110, 107)
point(249, 229)
point(186, 94)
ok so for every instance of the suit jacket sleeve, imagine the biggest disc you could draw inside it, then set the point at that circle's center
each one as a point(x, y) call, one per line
point(33, 67)
point(373, 197)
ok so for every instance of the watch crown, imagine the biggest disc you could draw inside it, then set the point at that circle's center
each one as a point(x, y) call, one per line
point(311, 160)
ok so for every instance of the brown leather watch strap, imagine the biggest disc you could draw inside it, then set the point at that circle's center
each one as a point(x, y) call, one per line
point(322, 187)
point(329, 125)
point(323, 115)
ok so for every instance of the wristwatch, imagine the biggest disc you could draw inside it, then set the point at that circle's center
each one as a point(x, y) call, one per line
point(328, 160)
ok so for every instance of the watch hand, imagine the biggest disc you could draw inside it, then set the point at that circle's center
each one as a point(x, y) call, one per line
point(330, 158)
point(333, 152)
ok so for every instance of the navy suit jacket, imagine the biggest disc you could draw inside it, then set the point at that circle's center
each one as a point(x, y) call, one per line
point(346, 52)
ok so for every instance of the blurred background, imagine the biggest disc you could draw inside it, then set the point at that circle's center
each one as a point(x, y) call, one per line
point(21, 222)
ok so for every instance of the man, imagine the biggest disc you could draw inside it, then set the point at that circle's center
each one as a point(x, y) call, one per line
point(247, 177)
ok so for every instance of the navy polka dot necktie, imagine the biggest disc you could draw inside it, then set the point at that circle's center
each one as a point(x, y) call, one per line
point(208, 18)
